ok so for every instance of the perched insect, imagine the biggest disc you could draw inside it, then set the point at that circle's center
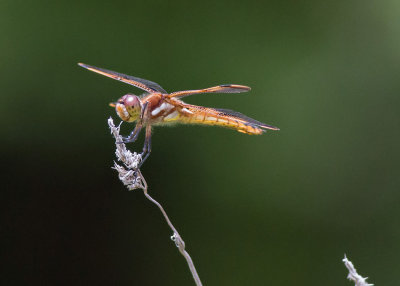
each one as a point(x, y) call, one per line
point(157, 107)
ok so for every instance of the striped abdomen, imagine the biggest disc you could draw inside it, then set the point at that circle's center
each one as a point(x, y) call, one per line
point(222, 117)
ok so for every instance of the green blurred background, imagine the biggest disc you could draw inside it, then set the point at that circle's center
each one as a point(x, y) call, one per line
point(277, 209)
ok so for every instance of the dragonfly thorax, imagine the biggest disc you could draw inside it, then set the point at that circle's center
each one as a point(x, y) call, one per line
point(129, 107)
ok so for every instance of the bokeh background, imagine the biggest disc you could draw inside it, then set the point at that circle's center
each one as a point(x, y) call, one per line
point(277, 209)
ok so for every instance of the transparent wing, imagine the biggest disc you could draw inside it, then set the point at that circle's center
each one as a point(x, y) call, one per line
point(226, 88)
point(144, 84)
point(249, 120)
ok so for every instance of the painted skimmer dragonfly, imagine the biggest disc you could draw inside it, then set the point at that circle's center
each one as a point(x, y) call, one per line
point(158, 107)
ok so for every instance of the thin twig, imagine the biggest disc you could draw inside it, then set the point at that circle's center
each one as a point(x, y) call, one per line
point(177, 239)
point(132, 178)
point(353, 275)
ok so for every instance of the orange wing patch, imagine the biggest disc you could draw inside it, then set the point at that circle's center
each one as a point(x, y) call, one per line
point(225, 88)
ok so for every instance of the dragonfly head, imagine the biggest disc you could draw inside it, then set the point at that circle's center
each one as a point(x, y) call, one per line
point(128, 107)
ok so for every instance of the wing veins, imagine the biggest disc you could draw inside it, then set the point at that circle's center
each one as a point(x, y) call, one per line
point(143, 84)
point(225, 88)
point(249, 120)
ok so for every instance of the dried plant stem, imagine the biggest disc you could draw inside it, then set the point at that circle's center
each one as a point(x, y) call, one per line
point(353, 275)
point(175, 237)
point(132, 178)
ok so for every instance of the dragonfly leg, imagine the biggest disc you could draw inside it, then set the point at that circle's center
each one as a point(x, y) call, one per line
point(147, 145)
point(134, 134)
point(144, 109)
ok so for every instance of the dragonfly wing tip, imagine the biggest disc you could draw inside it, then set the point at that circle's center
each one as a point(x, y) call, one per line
point(83, 65)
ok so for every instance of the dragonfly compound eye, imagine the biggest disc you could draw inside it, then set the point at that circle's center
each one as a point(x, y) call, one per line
point(131, 100)
point(129, 107)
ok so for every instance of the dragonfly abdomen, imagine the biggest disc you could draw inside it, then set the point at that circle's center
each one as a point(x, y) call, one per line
point(208, 116)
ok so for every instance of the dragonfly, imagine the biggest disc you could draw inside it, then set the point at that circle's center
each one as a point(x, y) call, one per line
point(158, 107)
